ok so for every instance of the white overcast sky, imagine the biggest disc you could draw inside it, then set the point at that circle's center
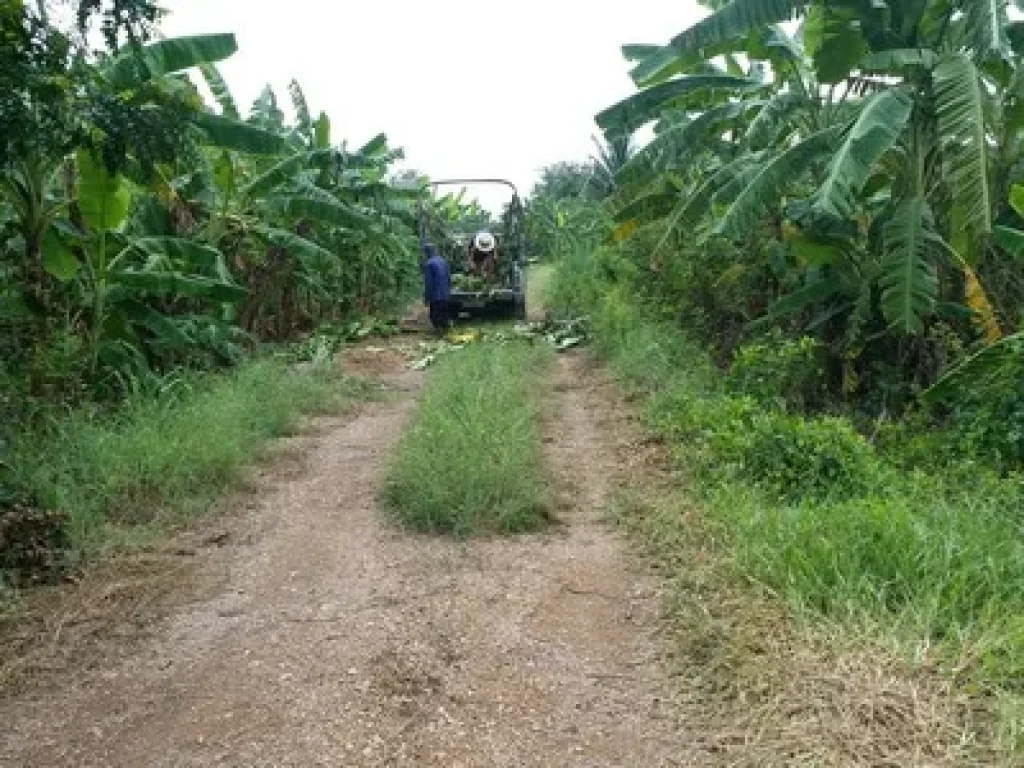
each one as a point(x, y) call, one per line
point(467, 88)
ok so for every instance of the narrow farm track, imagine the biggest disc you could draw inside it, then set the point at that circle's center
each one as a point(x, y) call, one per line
point(340, 641)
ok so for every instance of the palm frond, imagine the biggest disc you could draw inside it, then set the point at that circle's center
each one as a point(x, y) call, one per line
point(646, 105)
point(303, 119)
point(765, 128)
point(762, 43)
point(896, 60)
point(220, 90)
point(736, 19)
point(682, 142)
point(977, 367)
point(986, 22)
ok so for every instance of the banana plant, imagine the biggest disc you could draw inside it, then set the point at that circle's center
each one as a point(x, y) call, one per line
point(124, 275)
point(879, 107)
point(294, 223)
point(32, 189)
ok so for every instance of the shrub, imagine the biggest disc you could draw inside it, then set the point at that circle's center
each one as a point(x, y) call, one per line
point(989, 420)
point(780, 372)
point(797, 457)
point(571, 289)
point(790, 456)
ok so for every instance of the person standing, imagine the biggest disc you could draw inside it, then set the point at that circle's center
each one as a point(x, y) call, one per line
point(437, 288)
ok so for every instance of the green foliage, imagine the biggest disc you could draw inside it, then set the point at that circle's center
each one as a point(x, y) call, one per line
point(129, 210)
point(471, 462)
point(164, 57)
point(806, 458)
point(877, 129)
point(35, 108)
point(780, 372)
point(637, 110)
point(133, 19)
point(788, 456)
point(323, 344)
point(562, 181)
point(913, 555)
point(103, 198)
point(984, 404)
point(960, 106)
point(857, 182)
point(570, 286)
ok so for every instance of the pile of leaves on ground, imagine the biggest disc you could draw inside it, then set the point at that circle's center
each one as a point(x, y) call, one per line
point(328, 339)
point(33, 541)
point(560, 334)
point(33, 544)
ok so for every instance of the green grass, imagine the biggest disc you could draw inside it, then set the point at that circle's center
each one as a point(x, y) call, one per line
point(471, 462)
point(123, 476)
point(538, 284)
point(929, 563)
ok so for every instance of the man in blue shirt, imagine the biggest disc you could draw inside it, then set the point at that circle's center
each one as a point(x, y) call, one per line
point(437, 288)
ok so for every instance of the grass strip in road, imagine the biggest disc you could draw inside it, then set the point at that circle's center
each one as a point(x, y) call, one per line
point(472, 460)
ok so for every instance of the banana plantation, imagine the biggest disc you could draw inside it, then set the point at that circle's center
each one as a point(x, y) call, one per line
point(853, 172)
point(152, 231)
point(796, 251)
point(813, 271)
point(143, 228)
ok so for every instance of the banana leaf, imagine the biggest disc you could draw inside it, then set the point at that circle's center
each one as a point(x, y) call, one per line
point(225, 133)
point(176, 284)
point(134, 66)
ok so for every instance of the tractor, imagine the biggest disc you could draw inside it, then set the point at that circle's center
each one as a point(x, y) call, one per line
point(474, 297)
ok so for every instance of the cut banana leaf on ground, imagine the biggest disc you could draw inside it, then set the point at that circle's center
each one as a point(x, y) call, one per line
point(423, 362)
point(568, 343)
point(560, 334)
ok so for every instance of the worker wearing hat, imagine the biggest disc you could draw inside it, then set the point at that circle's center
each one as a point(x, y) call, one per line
point(483, 254)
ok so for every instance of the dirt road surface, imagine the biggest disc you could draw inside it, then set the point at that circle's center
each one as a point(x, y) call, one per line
point(338, 640)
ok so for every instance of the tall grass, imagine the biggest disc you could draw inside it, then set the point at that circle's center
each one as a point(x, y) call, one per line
point(538, 286)
point(472, 460)
point(125, 473)
point(930, 561)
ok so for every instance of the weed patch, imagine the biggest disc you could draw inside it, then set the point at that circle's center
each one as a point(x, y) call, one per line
point(472, 461)
point(123, 475)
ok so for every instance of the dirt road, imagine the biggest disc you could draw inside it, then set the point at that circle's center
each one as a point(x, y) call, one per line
point(340, 641)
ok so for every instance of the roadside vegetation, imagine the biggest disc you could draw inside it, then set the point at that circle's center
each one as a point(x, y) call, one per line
point(471, 462)
point(156, 237)
point(811, 277)
point(123, 476)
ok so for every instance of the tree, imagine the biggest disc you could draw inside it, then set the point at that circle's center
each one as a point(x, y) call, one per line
point(563, 180)
point(612, 156)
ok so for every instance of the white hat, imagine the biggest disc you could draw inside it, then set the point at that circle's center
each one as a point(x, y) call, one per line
point(484, 242)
